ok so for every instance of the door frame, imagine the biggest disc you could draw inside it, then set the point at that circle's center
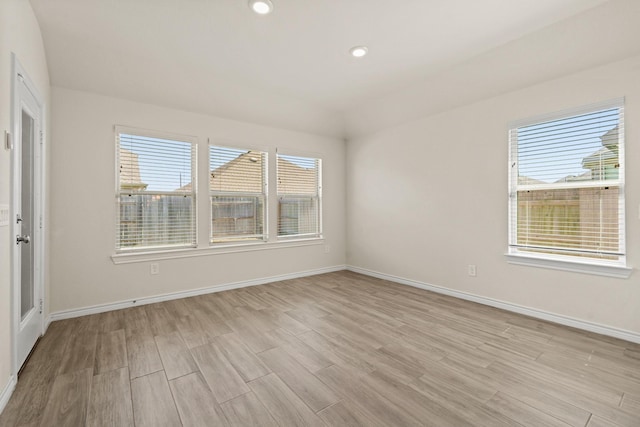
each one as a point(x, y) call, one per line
point(19, 77)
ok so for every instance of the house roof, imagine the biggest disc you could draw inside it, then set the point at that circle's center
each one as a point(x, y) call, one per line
point(294, 179)
point(608, 154)
point(244, 174)
point(611, 139)
point(525, 180)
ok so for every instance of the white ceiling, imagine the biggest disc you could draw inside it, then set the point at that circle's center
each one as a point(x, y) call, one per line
point(290, 68)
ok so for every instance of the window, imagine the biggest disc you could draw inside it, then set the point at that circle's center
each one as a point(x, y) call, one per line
point(299, 196)
point(156, 195)
point(567, 186)
point(238, 188)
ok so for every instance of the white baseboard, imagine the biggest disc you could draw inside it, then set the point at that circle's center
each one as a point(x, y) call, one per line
point(6, 393)
point(77, 312)
point(47, 322)
point(515, 308)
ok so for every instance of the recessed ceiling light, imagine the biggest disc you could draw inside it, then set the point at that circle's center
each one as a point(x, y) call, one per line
point(261, 7)
point(358, 51)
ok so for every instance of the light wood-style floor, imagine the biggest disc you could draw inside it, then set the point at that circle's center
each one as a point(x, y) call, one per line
point(337, 349)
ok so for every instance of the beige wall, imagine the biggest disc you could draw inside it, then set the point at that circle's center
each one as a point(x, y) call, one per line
point(429, 197)
point(83, 203)
point(20, 34)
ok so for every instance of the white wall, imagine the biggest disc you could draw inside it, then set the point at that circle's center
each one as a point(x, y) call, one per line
point(597, 36)
point(83, 205)
point(20, 34)
point(429, 197)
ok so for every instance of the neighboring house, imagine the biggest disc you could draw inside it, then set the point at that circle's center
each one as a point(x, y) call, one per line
point(130, 171)
point(237, 206)
point(604, 164)
point(237, 201)
point(298, 200)
point(569, 217)
point(146, 218)
point(525, 180)
point(237, 197)
point(244, 174)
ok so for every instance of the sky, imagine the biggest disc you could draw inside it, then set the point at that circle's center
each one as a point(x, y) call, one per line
point(165, 165)
point(553, 150)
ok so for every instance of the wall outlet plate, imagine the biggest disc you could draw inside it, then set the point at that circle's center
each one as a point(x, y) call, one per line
point(472, 270)
point(4, 215)
point(155, 268)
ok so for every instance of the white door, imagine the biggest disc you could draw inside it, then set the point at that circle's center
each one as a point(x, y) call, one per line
point(26, 215)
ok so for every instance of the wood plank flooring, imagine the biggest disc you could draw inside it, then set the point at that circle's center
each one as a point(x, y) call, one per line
point(337, 349)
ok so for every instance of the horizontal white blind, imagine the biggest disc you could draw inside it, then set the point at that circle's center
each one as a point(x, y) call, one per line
point(237, 185)
point(567, 177)
point(299, 196)
point(155, 192)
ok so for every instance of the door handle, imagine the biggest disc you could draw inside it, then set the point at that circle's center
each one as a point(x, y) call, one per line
point(22, 239)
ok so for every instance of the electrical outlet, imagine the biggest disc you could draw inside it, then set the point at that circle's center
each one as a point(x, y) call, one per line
point(155, 268)
point(4, 215)
point(472, 270)
point(327, 249)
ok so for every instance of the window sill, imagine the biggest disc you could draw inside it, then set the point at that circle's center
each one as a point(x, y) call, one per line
point(601, 268)
point(134, 257)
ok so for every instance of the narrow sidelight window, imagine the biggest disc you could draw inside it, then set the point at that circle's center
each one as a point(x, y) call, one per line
point(238, 192)
point(299, 197)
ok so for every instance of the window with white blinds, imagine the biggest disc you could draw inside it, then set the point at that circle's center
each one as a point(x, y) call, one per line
point(567, 185)
point(238, 191)
point(156, 191)
point(299, 196)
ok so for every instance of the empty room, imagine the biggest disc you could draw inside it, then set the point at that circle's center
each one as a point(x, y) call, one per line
point(320, 213)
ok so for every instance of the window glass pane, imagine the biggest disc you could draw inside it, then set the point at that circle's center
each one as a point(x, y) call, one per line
point(572, 220)
point(299, 196)
point(238, 217)
point(154, 164)
point(233, 170)
point(566, 185)
point(156, 197)
point(298, 216)
point(577, 148)
point(156, 220)
point(238, 193)
point(298, 175)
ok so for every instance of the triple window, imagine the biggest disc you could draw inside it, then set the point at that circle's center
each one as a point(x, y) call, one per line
point(157, 187)
point(567, 185)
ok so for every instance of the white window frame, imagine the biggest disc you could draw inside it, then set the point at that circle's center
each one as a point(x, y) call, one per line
point(306, 236)
point(235, 240)
point(612, 268)
point(194, 188)
point(205, 248)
